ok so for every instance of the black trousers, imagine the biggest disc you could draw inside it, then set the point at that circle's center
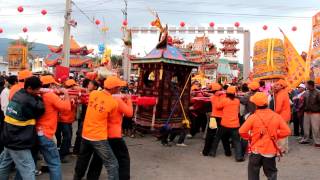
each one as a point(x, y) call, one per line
point(297, 119)
point(77, 143)
point(268, 165)
point(224, 134)
point(121, 152)
point(198, 121)
point(64, 137)
point(210, 136)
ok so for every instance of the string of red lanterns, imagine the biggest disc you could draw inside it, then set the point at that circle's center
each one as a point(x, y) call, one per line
point(211, 24)
point(49, 28)
point(237, 24)
point(265, 27)
point(125, 23)
point(1, 30)
point(294, 28)
point(25, 29)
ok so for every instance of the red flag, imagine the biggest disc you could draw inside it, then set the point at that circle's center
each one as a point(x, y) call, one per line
point(62, 73)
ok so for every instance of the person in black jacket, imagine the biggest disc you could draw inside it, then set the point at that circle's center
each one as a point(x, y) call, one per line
point(18, 133)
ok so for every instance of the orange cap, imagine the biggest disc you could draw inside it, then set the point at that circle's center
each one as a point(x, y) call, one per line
point(215, 87)
point(283, 83)
point(317, 80)
point(259, 99)
point(254, 85)
point(231, 90)
point(48, 79)
point(70, 82)
point(24, 74)
point(113, 81)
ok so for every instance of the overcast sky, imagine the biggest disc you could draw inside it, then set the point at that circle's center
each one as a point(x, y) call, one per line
point(252, 15)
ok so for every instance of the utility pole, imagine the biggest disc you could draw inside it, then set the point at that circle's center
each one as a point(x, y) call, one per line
point(66, 37)
point(126, 52)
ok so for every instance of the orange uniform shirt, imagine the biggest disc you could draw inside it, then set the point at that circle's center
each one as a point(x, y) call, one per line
point(47, 124)
point(254, 129)
point(115, 120)
point(282, 103)
point(15, 88)
point(100, 106)
point(68, 116)
point(216, 112)
point(230, 110)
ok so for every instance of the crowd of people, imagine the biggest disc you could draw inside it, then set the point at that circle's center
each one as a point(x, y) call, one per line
point(36, 121)
point(38, 113)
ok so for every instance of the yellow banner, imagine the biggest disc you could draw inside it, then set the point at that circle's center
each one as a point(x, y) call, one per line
point(296, 65)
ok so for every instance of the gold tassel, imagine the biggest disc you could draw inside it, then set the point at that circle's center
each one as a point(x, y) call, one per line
point(268, 53)
point(271, 56)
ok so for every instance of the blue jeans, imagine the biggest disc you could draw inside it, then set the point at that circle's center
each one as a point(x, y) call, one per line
point(51, 155)
point(104, 151)
point(23, 161)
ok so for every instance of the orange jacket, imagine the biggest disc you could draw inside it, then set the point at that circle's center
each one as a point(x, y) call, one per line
point(47, 124)
point(115, 120)
point(230, 109)
point(15, 88)
point(68, 116)
point(216, 112)
point(254, 129)
point(283, 105)
point(100, 107)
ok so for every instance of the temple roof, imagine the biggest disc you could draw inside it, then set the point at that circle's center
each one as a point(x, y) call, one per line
point(170, 54)
point(75, 60)
point(75, 48)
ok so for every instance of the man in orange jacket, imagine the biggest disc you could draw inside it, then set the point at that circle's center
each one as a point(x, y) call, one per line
point(230, 124)
point(115, 139)
point(47, 124)
point(215, 113)
point(282, 107)
point(263, 129)
point(65, 120)
point(22, 76)
point(95, 134)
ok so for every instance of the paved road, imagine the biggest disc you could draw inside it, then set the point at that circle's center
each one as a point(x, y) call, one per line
point(151, 161)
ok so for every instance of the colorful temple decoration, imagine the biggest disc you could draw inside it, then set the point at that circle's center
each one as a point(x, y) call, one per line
point(17, 57)
point(315, 49)
point(78, 56)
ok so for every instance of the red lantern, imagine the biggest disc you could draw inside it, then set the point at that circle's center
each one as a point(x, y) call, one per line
point(20, 9)
point(265, 27)
point(237, 24)
point(182, 24)
point(125, 23)
point(294, 28)
point(153, 23)
point(1, 30)
point(49, 28)
point(25, 29)
point(44, 12)
point(211, 24)
point(97, 22)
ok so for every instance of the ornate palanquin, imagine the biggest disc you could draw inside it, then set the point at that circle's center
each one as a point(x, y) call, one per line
point(163, 74)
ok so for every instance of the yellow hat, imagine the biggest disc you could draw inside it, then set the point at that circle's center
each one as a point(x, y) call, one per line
point(215, 87)
point(113, 81)
point(70, 82)
point(231, 90)
point(259, 99)
point(254, 85)
point(24, 74)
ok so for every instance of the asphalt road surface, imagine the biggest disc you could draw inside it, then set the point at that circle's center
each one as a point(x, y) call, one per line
point(152, 161)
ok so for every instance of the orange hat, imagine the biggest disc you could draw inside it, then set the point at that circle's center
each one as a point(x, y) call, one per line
point(24, 74)
point(215, 87)
point(254, 85)
point(48, 79)
point(231, 90)
point(113, 81)
point(70, 82)
point(259, 99)
point(317, 80)
point(282, 82)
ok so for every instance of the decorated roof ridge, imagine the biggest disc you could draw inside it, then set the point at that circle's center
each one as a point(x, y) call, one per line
point(170, 52)
point(75, 60)
point(75, 48)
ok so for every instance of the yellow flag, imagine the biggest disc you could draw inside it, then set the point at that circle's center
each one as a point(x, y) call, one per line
point(296, 65)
